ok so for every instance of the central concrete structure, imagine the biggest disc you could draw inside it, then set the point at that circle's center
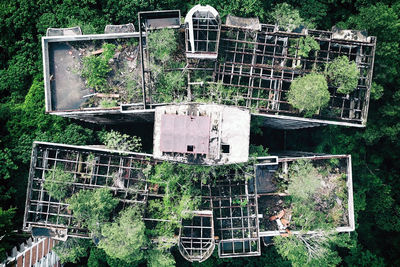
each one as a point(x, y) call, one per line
point(201, 133)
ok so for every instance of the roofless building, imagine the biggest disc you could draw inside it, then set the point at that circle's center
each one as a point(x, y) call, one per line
point(238, 209)
point(242, 63)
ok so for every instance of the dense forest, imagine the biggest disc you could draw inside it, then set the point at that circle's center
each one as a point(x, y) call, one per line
point(374, 149)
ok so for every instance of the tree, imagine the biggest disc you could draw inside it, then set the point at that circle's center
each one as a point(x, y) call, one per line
point(96, 68)
point(306, 45)
point(308, 250)
point(92, 208)
point(72, 250)
point(343, 74)
point(125, 238)
point(6, 226)
point(122, 142)
point(57, 182)
point(309, 93)
point(286, 17)
point(304, 179)
point(160, 258)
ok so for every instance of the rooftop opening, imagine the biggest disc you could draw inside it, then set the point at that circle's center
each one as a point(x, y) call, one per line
point(225, 148)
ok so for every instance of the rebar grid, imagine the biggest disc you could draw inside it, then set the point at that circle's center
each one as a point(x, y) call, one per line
point(235, 218)
point(259, 66)
point(91, 169)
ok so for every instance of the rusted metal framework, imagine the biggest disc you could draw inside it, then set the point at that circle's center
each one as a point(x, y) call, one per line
point(196, 236)
point(258, 67)
point(234, 205)
point(91, 168)
point(233, 212)
point(254, 62)
point(269, 198)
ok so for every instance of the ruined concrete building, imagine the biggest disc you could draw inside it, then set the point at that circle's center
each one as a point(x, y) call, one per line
point(241, 63)
point(235, 215)
point(222, 75)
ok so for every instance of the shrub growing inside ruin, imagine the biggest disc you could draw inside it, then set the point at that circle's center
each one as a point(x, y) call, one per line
point(122, 142)
point(92, 208)
point(57, 183)
point(309, 93)
point(96, 68)
point(343, 74)
point(125, 237)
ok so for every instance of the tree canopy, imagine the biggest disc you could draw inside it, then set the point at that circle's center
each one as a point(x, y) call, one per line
point(309, 93)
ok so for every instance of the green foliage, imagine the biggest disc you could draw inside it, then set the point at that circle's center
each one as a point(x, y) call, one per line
point(72, 250)
point(96, 68)
point(125, 237)
point(169, 85)
point(361, 257)
point(243, 8)
point(180, 197)
point(221, 94)
point(374, 150)
point(304, 179)
point(306, 45)
point(7, 163)
point(156, 258)
point(383, 21)
point(162, 44)
point(309, 93)
point(97, 258)
point(6, 226)
point(57, 183)
point(286, 17)
point(122, 142)
point(258, 151)
point(307, 250)
point(30, 122)
point(92, 208)
point(107, 103)
point(343, 74)
point(376, 91)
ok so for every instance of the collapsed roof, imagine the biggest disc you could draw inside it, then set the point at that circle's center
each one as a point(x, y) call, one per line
point(241, 63)
point(235, 212)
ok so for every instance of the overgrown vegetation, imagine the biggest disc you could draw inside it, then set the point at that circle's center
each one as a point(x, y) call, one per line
point(96, 68)
point(92, 208)
point(309, 93)
point(304, 180)
point(312, 250)
point(306, 45)
point(375, 150)
point(116, 141)
point(72, 250)
point(286, 17)
point(319, 196)
point(162, 46)
point(125, 238)
point(314, 196)
point(57, 183)
point(343, 74)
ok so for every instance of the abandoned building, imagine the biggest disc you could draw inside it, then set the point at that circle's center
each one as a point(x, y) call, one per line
point(235, 215)
point(242, 63)
point(200, 90)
